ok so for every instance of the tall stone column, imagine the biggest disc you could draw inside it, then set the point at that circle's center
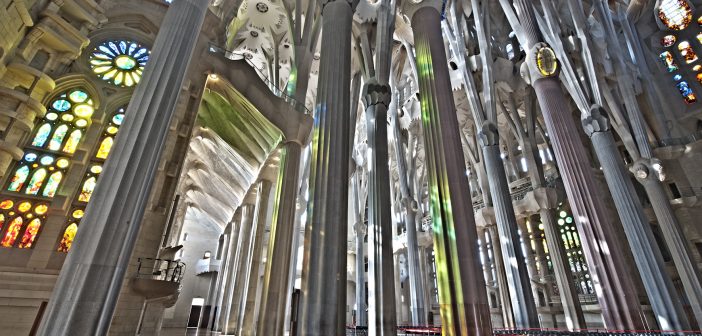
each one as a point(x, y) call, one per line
point(485, 256)
point(561, 267)
point(241, 263)
point(86, 292)
point(529, 259)
point(502, 284)
point(247, 314)
point(361, 314)
point(381, 301)
point(463, 300)
point(227, 271)
point(323, 307)
point(662, 295)
point(518, 283)
point(615, 290)
point(274, 291)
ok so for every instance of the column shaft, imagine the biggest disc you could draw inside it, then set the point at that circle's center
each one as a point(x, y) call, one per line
point(463, 300)
point(228, 278)
point(85, 295)
point(502, 285)
point(360, 228)
point(248, 313)
point(647, 256)
point(241, 262)
point(275, 293)
point(324, 274)
point(516, 273)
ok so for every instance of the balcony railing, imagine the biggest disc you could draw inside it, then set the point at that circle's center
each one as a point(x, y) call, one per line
point(160, 269)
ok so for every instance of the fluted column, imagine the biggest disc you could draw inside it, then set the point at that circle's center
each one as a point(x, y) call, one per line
point(248, 301)
point(529, 259)
point(361, 314)
point(462, 296)
point(381, 301)
point(518, 283)
point(241, 262)
point(615, 290)
point(86, 292)
point(228, 270)
point(323, 305)
point(661, 294)
point(274, 292)
point(502, 284)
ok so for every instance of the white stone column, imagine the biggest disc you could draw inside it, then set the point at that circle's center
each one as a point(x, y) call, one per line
point(241, 262)
point(86, 292)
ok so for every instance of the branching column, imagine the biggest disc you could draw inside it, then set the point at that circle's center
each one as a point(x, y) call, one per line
point(463, 300)
point(85, 295)
point(615, 290)
point(661, 293)
point(324, 274)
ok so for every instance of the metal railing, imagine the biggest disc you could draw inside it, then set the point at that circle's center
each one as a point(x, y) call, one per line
point(681, 141)
point(278, 92)
point(160, 269)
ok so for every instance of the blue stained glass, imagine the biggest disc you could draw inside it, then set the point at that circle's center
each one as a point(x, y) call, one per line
point(78, 96)
point(42, 135)
point(677, 77)
point(118, 119)
point(113, 47)
point(123, 47)
point(30, 157)
point(46, 160)
point(132, 48)
point(106, 50)
point(61, 105)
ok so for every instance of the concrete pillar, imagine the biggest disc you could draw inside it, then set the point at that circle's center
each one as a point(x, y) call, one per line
point(86, 292)
point(606, 261)
point(275, 290)
point(381, 303)
point(241, 263)
point(517, 276)
point(323, 307)
point(247, 315)
point(664, 299)
point(463, 300)
point(502, 284)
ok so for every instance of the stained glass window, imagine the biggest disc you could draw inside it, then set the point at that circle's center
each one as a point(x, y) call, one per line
point(38, 174)
point(686, 52)
point(675, 14)
point(119, 62)
point(68, 235)
point(668, 61)
point(24, 220)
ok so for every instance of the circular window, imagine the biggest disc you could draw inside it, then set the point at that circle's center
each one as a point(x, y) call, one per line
point(119, 62)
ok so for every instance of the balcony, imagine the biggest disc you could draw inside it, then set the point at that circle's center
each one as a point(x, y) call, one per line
point(207, 265)
point(158, 278)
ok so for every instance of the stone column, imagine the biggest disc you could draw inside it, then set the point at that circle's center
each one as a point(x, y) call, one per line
point(673, 234)
point(664, 300)
point(463, 300)
point(485, 257)
point(86, 292)
point(381, 303)
point(516, 273)
point(606, 261)
point(502, 285)
point(361, 315)
point(241, 263)
point(229, 270)
point(274, 292)
point(570, 301)
point(248, 301)
point(529, 259)
point(323, 307)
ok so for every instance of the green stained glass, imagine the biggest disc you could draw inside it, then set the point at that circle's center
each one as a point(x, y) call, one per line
point(78, 96)
point(18, 179)
point(52, 184)
point(46, 160)
point(42, 135)
point(57, 139)
point(117, 119)
point(125, 62)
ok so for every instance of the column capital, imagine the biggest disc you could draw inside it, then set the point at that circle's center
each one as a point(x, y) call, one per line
point(597, 121)
point(648, 169)
point(375, 93)
point(489, 135)
point(410, 7)
point(541, 62)
point(485, 217)
point(352, 3)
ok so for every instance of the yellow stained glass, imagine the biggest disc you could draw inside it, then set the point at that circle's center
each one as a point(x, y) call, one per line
point(53, 184)
point(24, 206)
point(36, 182)
point(78, 214)
point(6, 204)
point(62, 163)
point(41, 209)
point(73, 141)
point(83, 110)
point(105, 148)
point(68, 235)
point(87, 191)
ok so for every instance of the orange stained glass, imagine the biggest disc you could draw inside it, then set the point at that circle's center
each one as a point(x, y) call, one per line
point(24, 206)
point(30, 234)
point(68, 235)
point(6, 204)
point(12, 232)
point(104, 149)
point(36, 182)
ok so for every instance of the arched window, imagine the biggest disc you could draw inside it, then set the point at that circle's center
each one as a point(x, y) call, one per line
point(20, 222)
point(91, 178)
point(57, 137)
point(119, 62)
